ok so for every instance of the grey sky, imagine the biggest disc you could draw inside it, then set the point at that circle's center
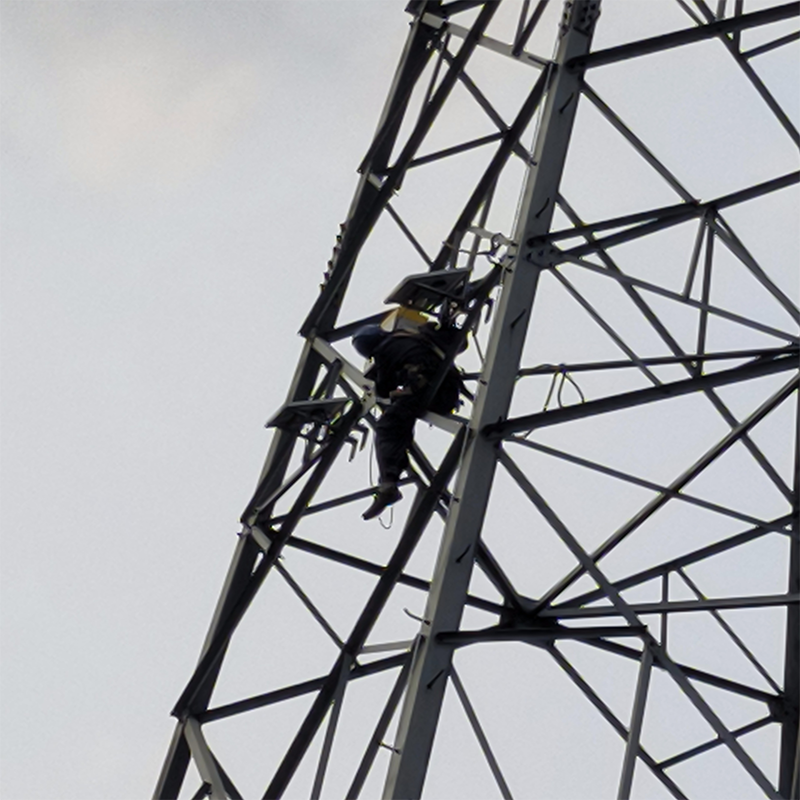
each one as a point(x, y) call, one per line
point(172, 177)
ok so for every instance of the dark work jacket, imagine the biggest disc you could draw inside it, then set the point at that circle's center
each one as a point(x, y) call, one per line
point(399, 361)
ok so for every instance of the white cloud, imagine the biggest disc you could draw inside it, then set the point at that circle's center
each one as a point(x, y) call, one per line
point(125, 109)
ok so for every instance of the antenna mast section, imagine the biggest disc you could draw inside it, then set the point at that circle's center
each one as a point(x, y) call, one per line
point(611, 515)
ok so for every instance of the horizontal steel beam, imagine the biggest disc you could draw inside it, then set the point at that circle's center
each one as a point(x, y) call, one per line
point(503, 49)
point(637, 481)
point(684, 560)
point(698, 675)
point(550, 634)
point(656, 361)
point(689, 358)
point(658, 43)
point(712, 743)
point(629, 284)
point(754, 369)
point(456, 149)
point(299, 689)
point(658, 219)
point(378, 569)
point(675, 606)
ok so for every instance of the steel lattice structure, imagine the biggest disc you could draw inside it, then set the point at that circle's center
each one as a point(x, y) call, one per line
point(641, 407)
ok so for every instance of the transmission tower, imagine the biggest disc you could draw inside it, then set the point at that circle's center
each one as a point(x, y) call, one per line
point(595, 568)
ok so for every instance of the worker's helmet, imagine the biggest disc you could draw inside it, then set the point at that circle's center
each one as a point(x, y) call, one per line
point(366, 340)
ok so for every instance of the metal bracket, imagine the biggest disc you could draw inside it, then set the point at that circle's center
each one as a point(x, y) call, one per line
point(293, 416)
point(432, 21)
point(542, 255)
point(355, 445)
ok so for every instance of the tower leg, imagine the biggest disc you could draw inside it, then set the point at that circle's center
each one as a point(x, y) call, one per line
point(420, 713)
point(789, 774)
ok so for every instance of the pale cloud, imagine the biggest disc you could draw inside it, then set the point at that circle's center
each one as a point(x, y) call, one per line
point(124, 110)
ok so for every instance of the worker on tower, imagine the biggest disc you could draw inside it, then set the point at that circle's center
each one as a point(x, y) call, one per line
point(405, 363)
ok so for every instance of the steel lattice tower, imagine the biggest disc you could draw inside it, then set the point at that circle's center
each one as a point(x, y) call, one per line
point(611, 514)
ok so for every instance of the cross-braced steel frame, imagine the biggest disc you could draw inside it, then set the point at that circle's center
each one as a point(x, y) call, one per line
point(745, 394)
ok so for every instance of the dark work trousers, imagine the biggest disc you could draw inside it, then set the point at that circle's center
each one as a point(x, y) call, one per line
point(394, 431)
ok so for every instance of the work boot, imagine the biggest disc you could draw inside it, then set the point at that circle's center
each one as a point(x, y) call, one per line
point(386, 494)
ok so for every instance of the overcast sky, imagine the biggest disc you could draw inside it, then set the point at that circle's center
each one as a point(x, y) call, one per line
point(173, 176)
point(172, 179)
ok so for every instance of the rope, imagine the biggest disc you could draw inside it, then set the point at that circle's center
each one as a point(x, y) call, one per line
point(564, 376)
point(391, 519)
point(560, 377)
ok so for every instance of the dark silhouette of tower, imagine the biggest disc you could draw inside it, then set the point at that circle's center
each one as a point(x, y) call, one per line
point(611, 515)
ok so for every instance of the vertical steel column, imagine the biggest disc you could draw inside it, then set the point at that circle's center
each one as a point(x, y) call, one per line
point(789, 771)
point(428, 679)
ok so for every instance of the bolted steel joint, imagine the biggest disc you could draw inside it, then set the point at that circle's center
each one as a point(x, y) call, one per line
point(541, 255)
point(580, 15)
